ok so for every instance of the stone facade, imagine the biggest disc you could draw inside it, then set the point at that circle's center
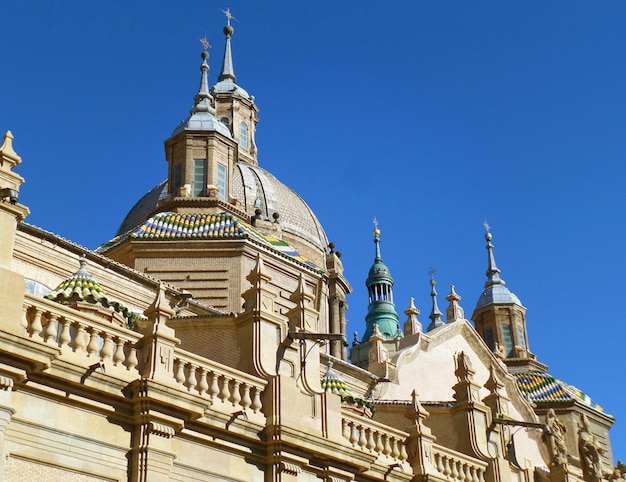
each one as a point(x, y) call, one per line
point(196, 357)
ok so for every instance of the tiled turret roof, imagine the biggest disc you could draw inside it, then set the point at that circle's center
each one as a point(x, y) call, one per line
point(331, 382)
point(542, 387)
point(82, 287)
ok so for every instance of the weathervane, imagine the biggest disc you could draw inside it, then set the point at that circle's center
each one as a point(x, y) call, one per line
point(205, 43)
point(229, 16)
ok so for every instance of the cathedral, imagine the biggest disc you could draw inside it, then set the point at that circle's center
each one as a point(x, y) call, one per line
point(206, 341)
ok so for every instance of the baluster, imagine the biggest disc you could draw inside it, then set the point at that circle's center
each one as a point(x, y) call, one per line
point(345, 429)
point(387, 450)
point(118, 357)
point(235, 396)
point(473, 476)
point(404, 456)
point(395, 451)
point(370, 440)
point(36, 326)
point(191, 382)
point(214, 388)
point(439, 463)
point(65, 337)
point(203, 386)
point(92, 347)
point(246, 401)
point(468, 475)
point(256, 400)
point(80, 341)
point(354, 435)
point(107, 348)
point(51, 329)
point(379, 442)
point(225, 392)
point(362, 437)
point(447, 471)
point(481, 475)
point(454, 473)
point(131, 359)
point(180, 371)
point(24, 319)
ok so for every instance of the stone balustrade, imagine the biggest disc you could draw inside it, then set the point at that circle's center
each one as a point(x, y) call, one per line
point(375, 438)
point(218, 383)
point(79, 334)
point(458, 467)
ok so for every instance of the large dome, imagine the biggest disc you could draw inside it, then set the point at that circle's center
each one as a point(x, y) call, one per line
point(255, 188)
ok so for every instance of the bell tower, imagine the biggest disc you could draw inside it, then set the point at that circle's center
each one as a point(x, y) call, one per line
point(201, 156)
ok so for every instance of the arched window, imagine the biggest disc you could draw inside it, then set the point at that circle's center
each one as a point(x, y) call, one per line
point(243, 135)
point(225, 121)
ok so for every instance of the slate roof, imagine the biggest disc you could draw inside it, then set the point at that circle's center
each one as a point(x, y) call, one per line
point(542, 387)
point(170, 225)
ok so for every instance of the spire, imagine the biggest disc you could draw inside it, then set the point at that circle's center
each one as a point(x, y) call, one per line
point(381, 310)
point(493, 273)
point(203, 99)
point(435, 314)
point(228, 72)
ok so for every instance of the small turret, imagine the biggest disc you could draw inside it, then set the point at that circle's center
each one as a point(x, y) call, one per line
point(381, 310)
point(500, 318)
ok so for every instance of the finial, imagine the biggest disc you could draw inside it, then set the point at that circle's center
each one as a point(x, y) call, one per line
point(376, 233)
point(228, 71)
point(493, 273)
point(435, 314)
point(229, 16)
point(203, 101)
point(412, 325)
point(205, 44)
point(454, 312)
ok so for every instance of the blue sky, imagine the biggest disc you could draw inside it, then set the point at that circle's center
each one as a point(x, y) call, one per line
point(430, 116)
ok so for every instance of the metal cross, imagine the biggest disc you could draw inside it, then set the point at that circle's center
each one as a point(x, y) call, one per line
point(431, 273)
point(375, 221)
point(205, 43)
point(486, 224)
point(229, 16)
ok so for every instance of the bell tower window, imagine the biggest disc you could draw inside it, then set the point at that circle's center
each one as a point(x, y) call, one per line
point(243, 135)
point(507, 339)
point(199, 177)
point(222, 181)
point(177, 178)
point(489, 338)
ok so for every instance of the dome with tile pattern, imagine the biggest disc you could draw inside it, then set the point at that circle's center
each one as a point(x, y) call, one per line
point(254, 188)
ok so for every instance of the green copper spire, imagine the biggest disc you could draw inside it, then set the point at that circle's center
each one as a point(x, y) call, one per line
point(381, 310)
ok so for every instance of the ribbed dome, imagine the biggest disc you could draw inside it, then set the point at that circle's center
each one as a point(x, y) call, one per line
point(255, 188)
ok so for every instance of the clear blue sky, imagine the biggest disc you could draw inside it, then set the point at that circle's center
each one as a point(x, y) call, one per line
point(430, 116)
